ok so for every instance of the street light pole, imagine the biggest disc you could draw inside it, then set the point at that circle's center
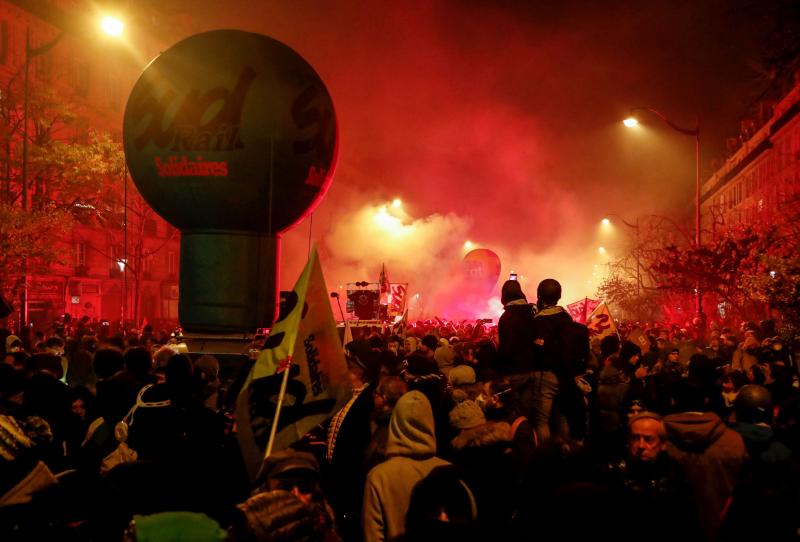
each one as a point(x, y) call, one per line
point(695, 133)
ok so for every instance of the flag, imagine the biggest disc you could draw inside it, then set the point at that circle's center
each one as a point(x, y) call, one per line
point(600, 323)
point(581, 309)
point(397, 299)
point(348, 333)
point(400, 327)
point(306, 343)
point(386, 290)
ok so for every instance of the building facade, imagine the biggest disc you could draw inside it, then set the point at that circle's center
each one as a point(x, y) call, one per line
point(125, 266)
point(759, 184)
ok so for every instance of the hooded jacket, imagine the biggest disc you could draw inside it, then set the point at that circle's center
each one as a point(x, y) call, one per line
point(711, 456)
point(515, 338)
point(411, 449)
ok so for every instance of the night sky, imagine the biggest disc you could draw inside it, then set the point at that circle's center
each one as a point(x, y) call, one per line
point(500, 122)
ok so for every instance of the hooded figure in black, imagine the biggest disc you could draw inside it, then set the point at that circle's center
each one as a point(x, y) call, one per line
point(515, 332)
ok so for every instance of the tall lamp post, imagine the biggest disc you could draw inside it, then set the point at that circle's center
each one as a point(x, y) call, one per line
point(631, 122)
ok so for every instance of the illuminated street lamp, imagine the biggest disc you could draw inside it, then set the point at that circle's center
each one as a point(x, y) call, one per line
point(468, 245)
point(630, 122)
point(112, 26)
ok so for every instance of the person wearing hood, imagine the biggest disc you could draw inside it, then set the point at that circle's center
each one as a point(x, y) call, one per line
point(515, 331)
point(710, 454)
point(483, 450)
point(411, 449)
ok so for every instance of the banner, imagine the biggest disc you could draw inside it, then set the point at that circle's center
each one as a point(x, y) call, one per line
point(306, 343)
point(580, 310)
point(397, 299)
point(600, 323)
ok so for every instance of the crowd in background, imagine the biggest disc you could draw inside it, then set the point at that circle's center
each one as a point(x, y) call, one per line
point(529, 429)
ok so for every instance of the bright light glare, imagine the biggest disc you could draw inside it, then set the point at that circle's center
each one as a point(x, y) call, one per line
point(605, 222)
point(630, 122)
point(468, 245)
point(112, 26)
point(601, 250)
point(396, 202)
point(390, 223)
point(772, 274)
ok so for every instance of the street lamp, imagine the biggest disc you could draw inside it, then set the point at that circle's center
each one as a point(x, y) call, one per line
point(631, 122)
point(112, 26)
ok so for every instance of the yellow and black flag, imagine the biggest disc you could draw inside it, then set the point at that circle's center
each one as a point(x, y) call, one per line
point(305, 342)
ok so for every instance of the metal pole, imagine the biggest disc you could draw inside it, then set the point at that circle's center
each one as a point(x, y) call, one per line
point(638, 264)
point(698, 293)
point(23, 317)
point(125, 244)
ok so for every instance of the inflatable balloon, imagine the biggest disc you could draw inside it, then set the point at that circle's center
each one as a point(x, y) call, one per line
point(231, 137)
point(482, 267)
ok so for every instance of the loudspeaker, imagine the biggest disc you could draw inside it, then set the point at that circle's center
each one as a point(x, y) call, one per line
point(365, 303)
point(5, 307)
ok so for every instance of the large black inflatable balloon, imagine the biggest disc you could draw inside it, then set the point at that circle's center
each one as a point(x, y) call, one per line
point(231, 137)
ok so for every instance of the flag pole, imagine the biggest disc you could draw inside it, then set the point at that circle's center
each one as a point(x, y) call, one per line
point(274, 429)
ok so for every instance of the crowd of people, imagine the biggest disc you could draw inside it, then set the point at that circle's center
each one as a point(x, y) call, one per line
point(531, 429)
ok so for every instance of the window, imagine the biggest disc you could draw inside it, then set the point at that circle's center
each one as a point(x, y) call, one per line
point(172, 262)
point(80, 254)
point(3, 42)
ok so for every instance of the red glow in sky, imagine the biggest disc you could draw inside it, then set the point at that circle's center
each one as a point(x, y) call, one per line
point(500, 122)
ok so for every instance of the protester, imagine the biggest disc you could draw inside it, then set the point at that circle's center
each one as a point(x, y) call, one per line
point(411, 449)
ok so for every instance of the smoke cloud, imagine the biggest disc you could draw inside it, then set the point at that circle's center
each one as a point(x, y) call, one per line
point(499, 122)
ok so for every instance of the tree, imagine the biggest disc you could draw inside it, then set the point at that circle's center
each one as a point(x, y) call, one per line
point(639, 304)
point(26, 242)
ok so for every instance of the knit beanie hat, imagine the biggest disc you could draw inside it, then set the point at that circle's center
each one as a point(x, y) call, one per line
point(467, 415)
point(289, 460)
point(278, 516)
point(178, 527)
